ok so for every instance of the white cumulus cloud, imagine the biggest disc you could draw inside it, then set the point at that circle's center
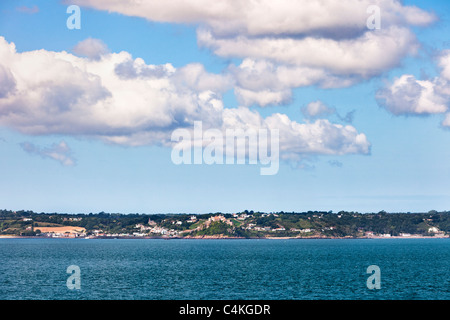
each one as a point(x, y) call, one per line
point(317, 109)
point(91, 48)
point(407, 95)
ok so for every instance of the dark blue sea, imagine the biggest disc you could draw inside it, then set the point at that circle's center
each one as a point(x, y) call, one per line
point(224, 269)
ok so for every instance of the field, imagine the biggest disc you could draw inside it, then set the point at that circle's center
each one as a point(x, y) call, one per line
point(62, 229)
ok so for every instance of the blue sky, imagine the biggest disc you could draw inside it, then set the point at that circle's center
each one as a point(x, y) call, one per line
point(75, 157)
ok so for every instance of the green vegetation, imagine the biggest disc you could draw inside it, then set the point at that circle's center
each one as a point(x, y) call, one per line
point(246, 224)
point(216, 228)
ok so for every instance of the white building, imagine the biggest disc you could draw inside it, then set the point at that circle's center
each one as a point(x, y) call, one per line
point(192, 219)
point(433, 230)
point(405, 234)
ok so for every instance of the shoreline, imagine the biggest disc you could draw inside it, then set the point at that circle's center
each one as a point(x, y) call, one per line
point(221, 237)
point(12, 237)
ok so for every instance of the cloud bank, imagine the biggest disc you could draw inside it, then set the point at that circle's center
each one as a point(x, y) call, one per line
point(118, 99)
point(290, 43)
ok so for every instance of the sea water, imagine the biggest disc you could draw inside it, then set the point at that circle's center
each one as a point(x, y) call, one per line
point(224, 269)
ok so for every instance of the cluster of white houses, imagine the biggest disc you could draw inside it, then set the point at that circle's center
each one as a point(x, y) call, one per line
point(153, 228)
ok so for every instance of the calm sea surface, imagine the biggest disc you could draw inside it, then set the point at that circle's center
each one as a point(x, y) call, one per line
point(224, 269)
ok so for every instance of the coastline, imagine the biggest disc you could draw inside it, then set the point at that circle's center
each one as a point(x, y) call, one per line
point(222, 237)
point(11, 237)
point(244, 225)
